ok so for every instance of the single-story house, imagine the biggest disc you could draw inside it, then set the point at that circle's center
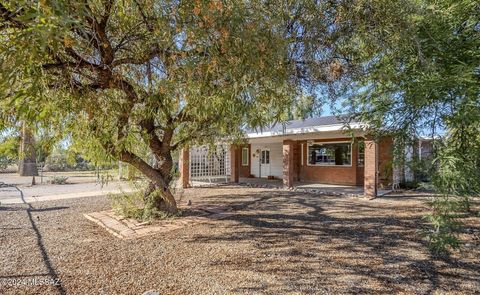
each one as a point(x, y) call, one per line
point(311, 150)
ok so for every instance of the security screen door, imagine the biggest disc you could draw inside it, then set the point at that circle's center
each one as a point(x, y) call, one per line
point(265, 163)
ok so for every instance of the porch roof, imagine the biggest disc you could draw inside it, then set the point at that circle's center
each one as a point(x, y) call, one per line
point(310, 125)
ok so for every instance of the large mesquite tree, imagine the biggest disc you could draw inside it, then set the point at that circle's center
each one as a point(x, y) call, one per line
point(418, 72)
point(124, 76)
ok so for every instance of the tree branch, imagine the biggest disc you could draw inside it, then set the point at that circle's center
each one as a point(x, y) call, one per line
point(144, 17)
point(153, 174)
point(107, 54)
point(153, 141)
point(9, 16)
point(108, 4)
point(138, 61)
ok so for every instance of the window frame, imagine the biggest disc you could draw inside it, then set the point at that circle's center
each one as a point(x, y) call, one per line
point(247, 158)
point(326, 143)
point(263, 156)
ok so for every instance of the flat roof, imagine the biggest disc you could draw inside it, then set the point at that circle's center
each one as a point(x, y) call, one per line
point(310, 125)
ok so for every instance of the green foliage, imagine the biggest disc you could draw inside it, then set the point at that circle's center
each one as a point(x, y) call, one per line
point(10, 143)
point(413, 184)
point(45, 141)
point(423, 169)
point(220, 65)
point(124, 77)
point(417, 64)
point(415, 70)
point(56, 162)
point(150, 211)
point(458, 161)
point(128, 205)
point(132, 205)
point(62, 158)
point(445, 222)
point(224, 64)
point(59, 180)
point(9, 147)
point(303, 107)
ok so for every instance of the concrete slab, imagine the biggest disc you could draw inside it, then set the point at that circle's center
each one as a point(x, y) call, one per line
point(315, 187)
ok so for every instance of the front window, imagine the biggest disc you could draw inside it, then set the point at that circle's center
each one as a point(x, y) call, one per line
point(330, 154)
point(265, 157)
point(244, 156)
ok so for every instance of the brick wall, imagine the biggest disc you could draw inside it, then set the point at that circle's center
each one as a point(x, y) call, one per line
point(371, 167)
point(289, 162)
point(385, 158)
point(329, 174)
point(234, 163)
point(296, 160)
point(360, 175)
point(184, 167)
point(347, 175)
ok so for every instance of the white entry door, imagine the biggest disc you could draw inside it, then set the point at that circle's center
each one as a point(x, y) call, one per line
point(265, 163)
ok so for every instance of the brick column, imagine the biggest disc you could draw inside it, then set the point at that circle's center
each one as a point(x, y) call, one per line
point(288, 163)
point(296, 160)
point(234, 163)
point(371, 169)
point(184, 167)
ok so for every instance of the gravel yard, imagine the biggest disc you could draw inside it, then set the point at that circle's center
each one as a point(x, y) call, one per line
point(278, 243)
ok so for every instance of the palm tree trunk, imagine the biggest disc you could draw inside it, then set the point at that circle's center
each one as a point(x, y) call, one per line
point(27, 161)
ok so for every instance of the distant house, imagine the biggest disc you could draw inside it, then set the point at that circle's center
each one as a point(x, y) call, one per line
point(312, 150)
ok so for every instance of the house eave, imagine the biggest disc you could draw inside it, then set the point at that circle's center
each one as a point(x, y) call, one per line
point(306, 130)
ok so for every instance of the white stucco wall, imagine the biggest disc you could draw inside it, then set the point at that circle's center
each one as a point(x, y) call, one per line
point(276, 159)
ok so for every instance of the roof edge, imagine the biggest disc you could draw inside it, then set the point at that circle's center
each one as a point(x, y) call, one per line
point(306, 130)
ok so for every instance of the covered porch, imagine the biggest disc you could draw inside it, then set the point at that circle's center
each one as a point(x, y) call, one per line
point(315, 153)
point(327, 161)
point(323, 188)
point(284, 164)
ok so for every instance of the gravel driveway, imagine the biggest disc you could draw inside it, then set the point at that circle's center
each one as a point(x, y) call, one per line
point(278, 243)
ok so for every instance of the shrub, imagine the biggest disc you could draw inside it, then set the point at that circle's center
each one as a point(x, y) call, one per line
point(409, 184)
point(445, 226)
point(135, 205)
point(128, 205)
point(59, 180)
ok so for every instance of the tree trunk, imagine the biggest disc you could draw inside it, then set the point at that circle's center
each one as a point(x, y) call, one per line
point(161, 199)
point(157, 194)
point(27, 165)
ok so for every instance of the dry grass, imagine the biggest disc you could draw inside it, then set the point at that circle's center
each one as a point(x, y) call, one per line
point(277, 243)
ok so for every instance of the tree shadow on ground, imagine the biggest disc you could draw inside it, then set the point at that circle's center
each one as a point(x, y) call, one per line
point(51, 271)
point(313, 244)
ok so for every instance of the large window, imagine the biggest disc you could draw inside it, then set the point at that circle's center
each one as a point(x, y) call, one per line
point(330, 154)
point(244, 156)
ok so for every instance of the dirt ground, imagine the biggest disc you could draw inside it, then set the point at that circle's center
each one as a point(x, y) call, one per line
point(278, 243)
